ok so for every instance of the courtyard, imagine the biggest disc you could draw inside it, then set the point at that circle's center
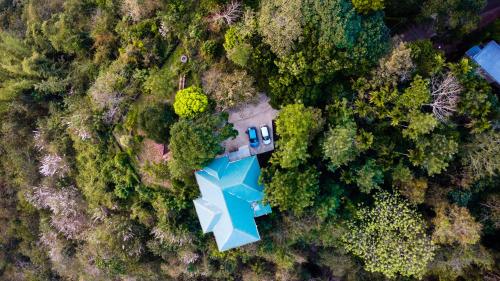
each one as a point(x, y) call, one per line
point(252, 115)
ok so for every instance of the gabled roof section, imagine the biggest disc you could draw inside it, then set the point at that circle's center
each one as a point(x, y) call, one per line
point(231, 199)
point(208, 214)
point(488, 58)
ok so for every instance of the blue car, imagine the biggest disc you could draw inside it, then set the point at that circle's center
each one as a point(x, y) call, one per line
point(252, 136)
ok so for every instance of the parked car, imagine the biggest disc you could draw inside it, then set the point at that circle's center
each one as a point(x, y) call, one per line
point(266, 137)
point(252, 136)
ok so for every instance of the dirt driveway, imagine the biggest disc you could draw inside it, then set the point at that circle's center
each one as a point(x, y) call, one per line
point(251, 115)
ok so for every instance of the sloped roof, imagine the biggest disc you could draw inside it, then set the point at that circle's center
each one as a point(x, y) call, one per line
point(231, 198)
point(488, 58)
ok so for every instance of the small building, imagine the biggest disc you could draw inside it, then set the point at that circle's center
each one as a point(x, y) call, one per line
point(488, 59)
point(231, 199)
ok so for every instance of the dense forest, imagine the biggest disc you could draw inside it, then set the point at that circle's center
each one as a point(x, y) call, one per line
point(387, 160)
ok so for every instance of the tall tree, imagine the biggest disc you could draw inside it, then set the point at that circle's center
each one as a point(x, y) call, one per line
point(194, 143)
point(455, 224)
point(296, 125)
point(390, 238)
point(292, 190)
point(280, 24)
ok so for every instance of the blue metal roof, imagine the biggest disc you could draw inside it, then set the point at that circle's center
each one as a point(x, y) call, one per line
point(488, 58)
point(473, 51)
point(231, 198)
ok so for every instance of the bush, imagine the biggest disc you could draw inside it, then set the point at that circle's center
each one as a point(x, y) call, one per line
point(209, 49)
point(190, 102)
point(155, 121)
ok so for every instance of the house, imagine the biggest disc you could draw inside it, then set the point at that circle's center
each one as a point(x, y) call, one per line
point(488, 59)
point(231, 199)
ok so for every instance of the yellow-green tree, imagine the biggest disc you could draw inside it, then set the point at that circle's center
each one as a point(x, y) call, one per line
point(367, 6)
point(190, 102)
point(390, 238)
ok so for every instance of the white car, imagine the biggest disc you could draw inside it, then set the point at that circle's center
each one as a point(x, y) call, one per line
point(266, 137)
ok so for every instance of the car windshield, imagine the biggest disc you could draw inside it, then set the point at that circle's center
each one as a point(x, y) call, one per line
point(252, 134)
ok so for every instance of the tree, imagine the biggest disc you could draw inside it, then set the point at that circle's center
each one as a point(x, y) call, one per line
point(280, 24)
point(67, 207)
point(476, 100)
point(433, 153)
point(229, 90)
point(454, 224)
point(228, 14)
point(412, 188)
point(445, 91)
point(292, 190)
point(140, 9)
point(470, 263)
point(190, 102)
point(107, 93)
point(53, 165)
point(237, 40)
point(453, 17)
point(335, 21)
point(397, 66)
point(22, 70)
point(339, 145)
point(428, 60)
point(194, 143)
point(156, 122)
point(390, 238)
point(369, 176)
point(367, 6)
point(480, 156)
point(415, 96)
point(296, 125)
point(419, 124)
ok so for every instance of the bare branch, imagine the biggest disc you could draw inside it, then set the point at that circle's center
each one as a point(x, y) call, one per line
point(229, 14)
point(53, 165)
point(446, 94)
point(68, 215)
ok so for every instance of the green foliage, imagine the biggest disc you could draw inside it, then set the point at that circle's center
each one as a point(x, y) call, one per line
point(190, 102)
point(89, 80)
point(339, 146)
point(155, 121)
point(419, 124)
point(470, 263)
point(292, 190)
point(296, 126)
point(416, 95)
point(280, 24)
point(22, 69)
point(367, 6)
point(390, 238)
point(160, 82)
point(236, 41)
point(476, 101)
point(369, 176)
point(453, 17)
point(480, 157)
point(338, 24)
point(427, 59)
point(434, 153)
point(209, 49)
point(194, 143)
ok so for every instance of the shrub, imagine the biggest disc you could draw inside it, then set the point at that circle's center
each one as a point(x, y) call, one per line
point(190, 102)
point(155, 121)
